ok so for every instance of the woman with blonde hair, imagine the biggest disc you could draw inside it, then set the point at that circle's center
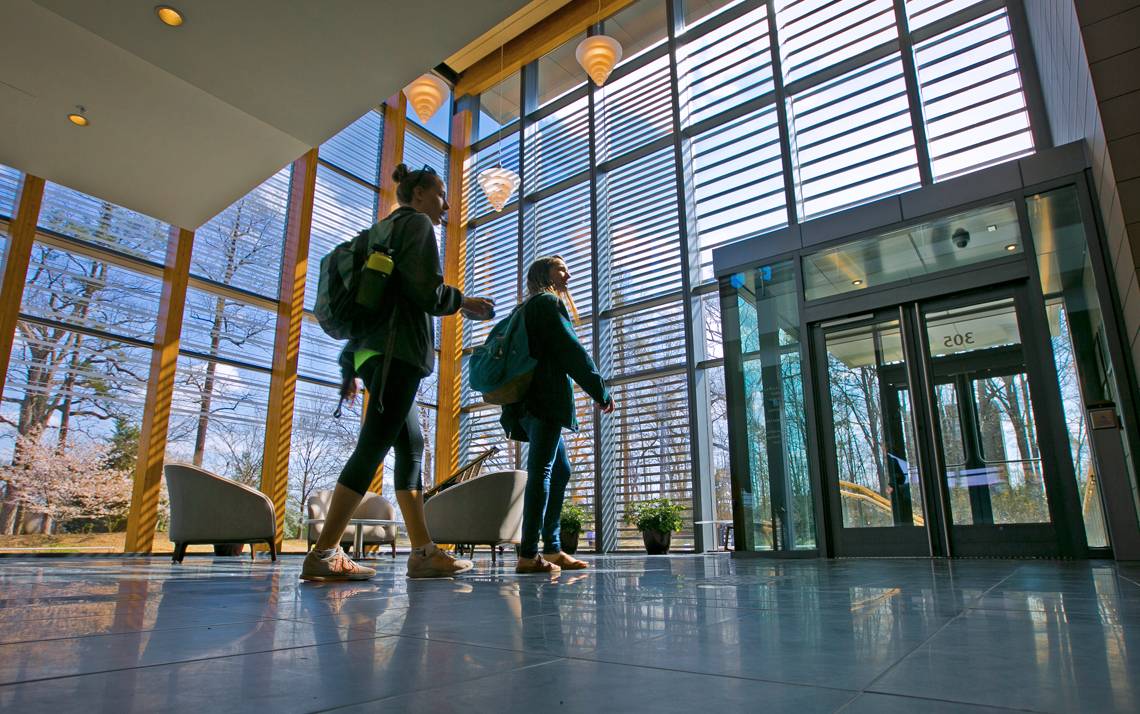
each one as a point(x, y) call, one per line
point(547, 409)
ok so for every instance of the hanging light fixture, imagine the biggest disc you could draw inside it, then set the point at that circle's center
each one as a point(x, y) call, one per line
point(426, 95)
point(598, 54)
point(499, 183)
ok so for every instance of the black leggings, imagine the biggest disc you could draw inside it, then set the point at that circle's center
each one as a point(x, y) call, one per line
point(398, 425)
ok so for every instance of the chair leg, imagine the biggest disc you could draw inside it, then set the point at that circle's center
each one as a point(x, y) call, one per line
point(179, 552)
point(493, 555)
point(252, 553)
point(272, 550)
point(393, 549)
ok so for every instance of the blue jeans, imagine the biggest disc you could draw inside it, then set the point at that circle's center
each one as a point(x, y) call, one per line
point(547, 473)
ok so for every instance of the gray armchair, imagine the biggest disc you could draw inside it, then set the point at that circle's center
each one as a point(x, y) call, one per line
point(205, 508)
point(373, 506)
point(482, 511)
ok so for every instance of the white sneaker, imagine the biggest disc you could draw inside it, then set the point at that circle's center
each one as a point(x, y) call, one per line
point(336, 566)
point(439, 564)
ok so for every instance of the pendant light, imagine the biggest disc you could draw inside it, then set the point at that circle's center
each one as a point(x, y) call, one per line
point(499, 183)
point(598, 54)
point(426, 95)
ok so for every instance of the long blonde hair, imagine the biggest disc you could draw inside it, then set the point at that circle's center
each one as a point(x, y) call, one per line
point(538, 281)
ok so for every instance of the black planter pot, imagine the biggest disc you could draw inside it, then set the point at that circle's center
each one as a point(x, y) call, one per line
point(229, 549)
point(569, 543)
point(656, 542)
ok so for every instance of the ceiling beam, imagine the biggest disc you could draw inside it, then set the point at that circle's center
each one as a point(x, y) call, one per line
point(550, 33)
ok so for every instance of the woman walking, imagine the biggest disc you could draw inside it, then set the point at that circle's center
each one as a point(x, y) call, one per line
point(548, 409)
point(391, 360)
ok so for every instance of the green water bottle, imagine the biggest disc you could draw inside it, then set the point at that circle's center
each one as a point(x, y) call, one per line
point(373, 278)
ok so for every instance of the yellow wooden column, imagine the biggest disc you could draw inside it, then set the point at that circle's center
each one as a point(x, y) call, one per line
point(451, 329)
point(392, 151)
point(159, 393)
point(21, 236)
point(287, 339)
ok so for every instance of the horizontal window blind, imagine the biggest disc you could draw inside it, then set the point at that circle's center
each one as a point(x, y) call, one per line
point(923, 12)
point(319, 445)
point(580, 451)
point(216, 326)
point(645, 451)
point(242, 246)
point(103, 224)
point(9, 187)
point(698, 12)
point(738, 182)
point(341, 209)
point(560, 225)
point(492, 271)
point(317, 357)
point(852, 139)
point(479, 430)
point(558, 145)
point(224, 406)
point(639, 232)
point(726, 66)
point(972, 97)
point(420, 151)
point(643, 340)
point(356, 148)
point(88, 293)
point(97, 380)
point(635, 110)
point(817, 34)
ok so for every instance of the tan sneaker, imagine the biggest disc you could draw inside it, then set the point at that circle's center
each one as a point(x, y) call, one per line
point(566, 562)
point(440, 564)
point(337, 566)
point(537, 564)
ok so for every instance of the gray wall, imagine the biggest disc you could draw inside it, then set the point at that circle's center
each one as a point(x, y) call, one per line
point(1088, 57)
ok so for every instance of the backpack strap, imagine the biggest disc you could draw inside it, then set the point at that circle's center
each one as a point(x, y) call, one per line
point(390, 347)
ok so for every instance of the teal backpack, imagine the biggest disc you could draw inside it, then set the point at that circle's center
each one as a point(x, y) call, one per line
point(502, 367)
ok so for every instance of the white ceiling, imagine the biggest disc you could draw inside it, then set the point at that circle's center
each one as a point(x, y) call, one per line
point(185, 121)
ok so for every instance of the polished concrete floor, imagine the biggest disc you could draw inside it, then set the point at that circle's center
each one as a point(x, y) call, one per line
point(656, 634)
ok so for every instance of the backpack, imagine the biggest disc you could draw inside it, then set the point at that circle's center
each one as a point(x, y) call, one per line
point(502, 367)
point(339, 279)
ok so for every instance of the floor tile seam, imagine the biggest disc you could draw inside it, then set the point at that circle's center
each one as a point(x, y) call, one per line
point(421, 690)
point(945, 701)
point(192, 660)
point(149, 629)
point(932, 635)
point(467, 643)
point(724, 675)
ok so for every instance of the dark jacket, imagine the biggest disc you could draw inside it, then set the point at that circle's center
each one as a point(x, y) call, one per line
point(416, 293)
point(561, 358)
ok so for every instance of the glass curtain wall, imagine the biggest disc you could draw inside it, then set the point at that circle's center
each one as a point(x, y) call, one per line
point(77, 379)
point(726, 119)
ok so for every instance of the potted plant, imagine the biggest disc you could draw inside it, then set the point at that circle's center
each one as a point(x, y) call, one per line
point(657, 519)
point(573, 518)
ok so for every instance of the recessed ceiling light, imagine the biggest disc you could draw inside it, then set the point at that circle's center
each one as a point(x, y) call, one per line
point(1011, 247)
point(991, 229)
point(856, 282)
point(79, 117)
point(169, 15)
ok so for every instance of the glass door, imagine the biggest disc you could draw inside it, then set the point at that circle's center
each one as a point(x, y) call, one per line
point(929, 414)
point(874, 488)
point(992, 473)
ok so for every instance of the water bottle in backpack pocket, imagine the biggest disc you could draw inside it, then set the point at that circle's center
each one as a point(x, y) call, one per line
point(352, 280)
point(502, 367)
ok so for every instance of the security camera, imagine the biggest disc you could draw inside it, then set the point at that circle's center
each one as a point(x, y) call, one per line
point(961, 237)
